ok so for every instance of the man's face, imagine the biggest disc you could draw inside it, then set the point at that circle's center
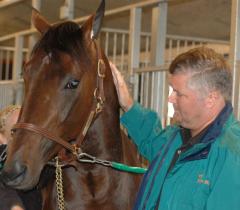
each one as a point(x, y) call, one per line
point(188, 105)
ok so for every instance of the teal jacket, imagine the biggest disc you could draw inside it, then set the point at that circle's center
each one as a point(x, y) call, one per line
point(205, 177)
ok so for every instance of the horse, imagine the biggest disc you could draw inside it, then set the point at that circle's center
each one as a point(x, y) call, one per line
point(70, 112)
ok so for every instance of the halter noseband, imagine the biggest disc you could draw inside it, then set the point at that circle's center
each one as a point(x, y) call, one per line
point(97, 106)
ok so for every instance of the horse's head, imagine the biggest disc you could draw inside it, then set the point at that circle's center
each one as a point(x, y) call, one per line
point(60, 78)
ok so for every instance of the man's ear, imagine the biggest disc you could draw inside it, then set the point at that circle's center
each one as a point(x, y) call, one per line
point(212, 98)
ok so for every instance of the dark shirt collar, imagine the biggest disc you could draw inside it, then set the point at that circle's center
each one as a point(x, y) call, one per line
point(188, 139)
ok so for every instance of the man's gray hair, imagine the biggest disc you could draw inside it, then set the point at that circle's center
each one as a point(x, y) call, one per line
point(209, 70)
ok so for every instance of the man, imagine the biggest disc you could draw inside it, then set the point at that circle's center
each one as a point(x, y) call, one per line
point(11, 199)
point(194, 165)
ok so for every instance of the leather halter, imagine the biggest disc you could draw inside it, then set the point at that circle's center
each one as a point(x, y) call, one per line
point(97, 106)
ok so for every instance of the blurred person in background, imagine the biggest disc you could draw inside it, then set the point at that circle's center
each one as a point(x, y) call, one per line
point(11, 199)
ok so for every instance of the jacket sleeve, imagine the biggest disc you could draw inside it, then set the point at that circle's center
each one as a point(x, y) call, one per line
point(144, 127)
point(226, 189)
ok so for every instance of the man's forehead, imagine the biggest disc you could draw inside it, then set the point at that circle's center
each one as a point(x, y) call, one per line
point(179, 77)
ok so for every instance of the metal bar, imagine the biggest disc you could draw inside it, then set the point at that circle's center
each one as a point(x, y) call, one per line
point(170, 50)
point(135, 77)
point(147, 50)
point(158, 45)
point(153, 88)
point(1, 64)
point(185, 45)
point(31, 31)
point(151, 68)
point(134, 39)
point(146, 88)
point(134, 45)
point(193, 44)
point(7, 70)
point(111, 30)
point(198, 39)
point(126, 8)
point(7, 48)
point(178, 47)
point(106, 43)
point(142, 88)
point(122, 51)
point(4, 65)
point(158, 34)
point(158, 85)
point(5, 3)
point(6, 93)
point(69, 4)
point(114, 47)
point(165, 95)
point(18, 58)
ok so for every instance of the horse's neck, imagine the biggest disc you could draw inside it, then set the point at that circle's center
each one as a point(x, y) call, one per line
point(95, 182)
point(104, 136)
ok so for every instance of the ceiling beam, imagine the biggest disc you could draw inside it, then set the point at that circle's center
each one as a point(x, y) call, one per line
point(5, 3)
point(126, 8)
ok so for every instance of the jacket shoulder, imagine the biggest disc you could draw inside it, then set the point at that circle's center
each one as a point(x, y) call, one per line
point(230, 139)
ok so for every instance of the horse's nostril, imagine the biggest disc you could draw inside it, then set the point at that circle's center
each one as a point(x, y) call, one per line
point(13, 174)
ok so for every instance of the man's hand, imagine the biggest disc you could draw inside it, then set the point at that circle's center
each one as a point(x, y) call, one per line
point(124, 97)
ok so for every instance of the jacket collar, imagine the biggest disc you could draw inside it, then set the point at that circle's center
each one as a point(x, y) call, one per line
point(201, 149)
point(216, 126)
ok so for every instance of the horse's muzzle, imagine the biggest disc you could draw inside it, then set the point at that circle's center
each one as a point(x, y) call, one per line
point(13, 176)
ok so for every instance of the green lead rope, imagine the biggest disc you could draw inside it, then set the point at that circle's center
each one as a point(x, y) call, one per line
point(123, 167)
point(86, 158)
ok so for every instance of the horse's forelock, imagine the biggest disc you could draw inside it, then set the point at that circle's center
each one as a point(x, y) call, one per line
point(66, 37)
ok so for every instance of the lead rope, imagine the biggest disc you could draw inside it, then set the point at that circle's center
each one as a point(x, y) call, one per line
point(59, 186)
point(86, 158)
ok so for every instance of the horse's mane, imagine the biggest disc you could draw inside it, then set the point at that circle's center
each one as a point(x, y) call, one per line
point(65, 37)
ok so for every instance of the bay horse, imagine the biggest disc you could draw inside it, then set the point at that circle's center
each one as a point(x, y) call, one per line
point(70, 107)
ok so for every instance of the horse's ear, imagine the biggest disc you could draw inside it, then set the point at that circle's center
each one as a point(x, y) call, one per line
point(39, 22)
point(98, 18)
point(93, 25)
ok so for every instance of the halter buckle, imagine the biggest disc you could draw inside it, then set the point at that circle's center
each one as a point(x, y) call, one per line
point(76, 150)
point(99, 107)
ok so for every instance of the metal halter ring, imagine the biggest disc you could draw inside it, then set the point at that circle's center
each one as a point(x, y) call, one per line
point(96, 93)
point(100, 74)
point(97, 97)
point(77, 150)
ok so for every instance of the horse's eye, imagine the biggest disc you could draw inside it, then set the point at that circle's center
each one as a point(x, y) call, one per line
point(72, 84)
